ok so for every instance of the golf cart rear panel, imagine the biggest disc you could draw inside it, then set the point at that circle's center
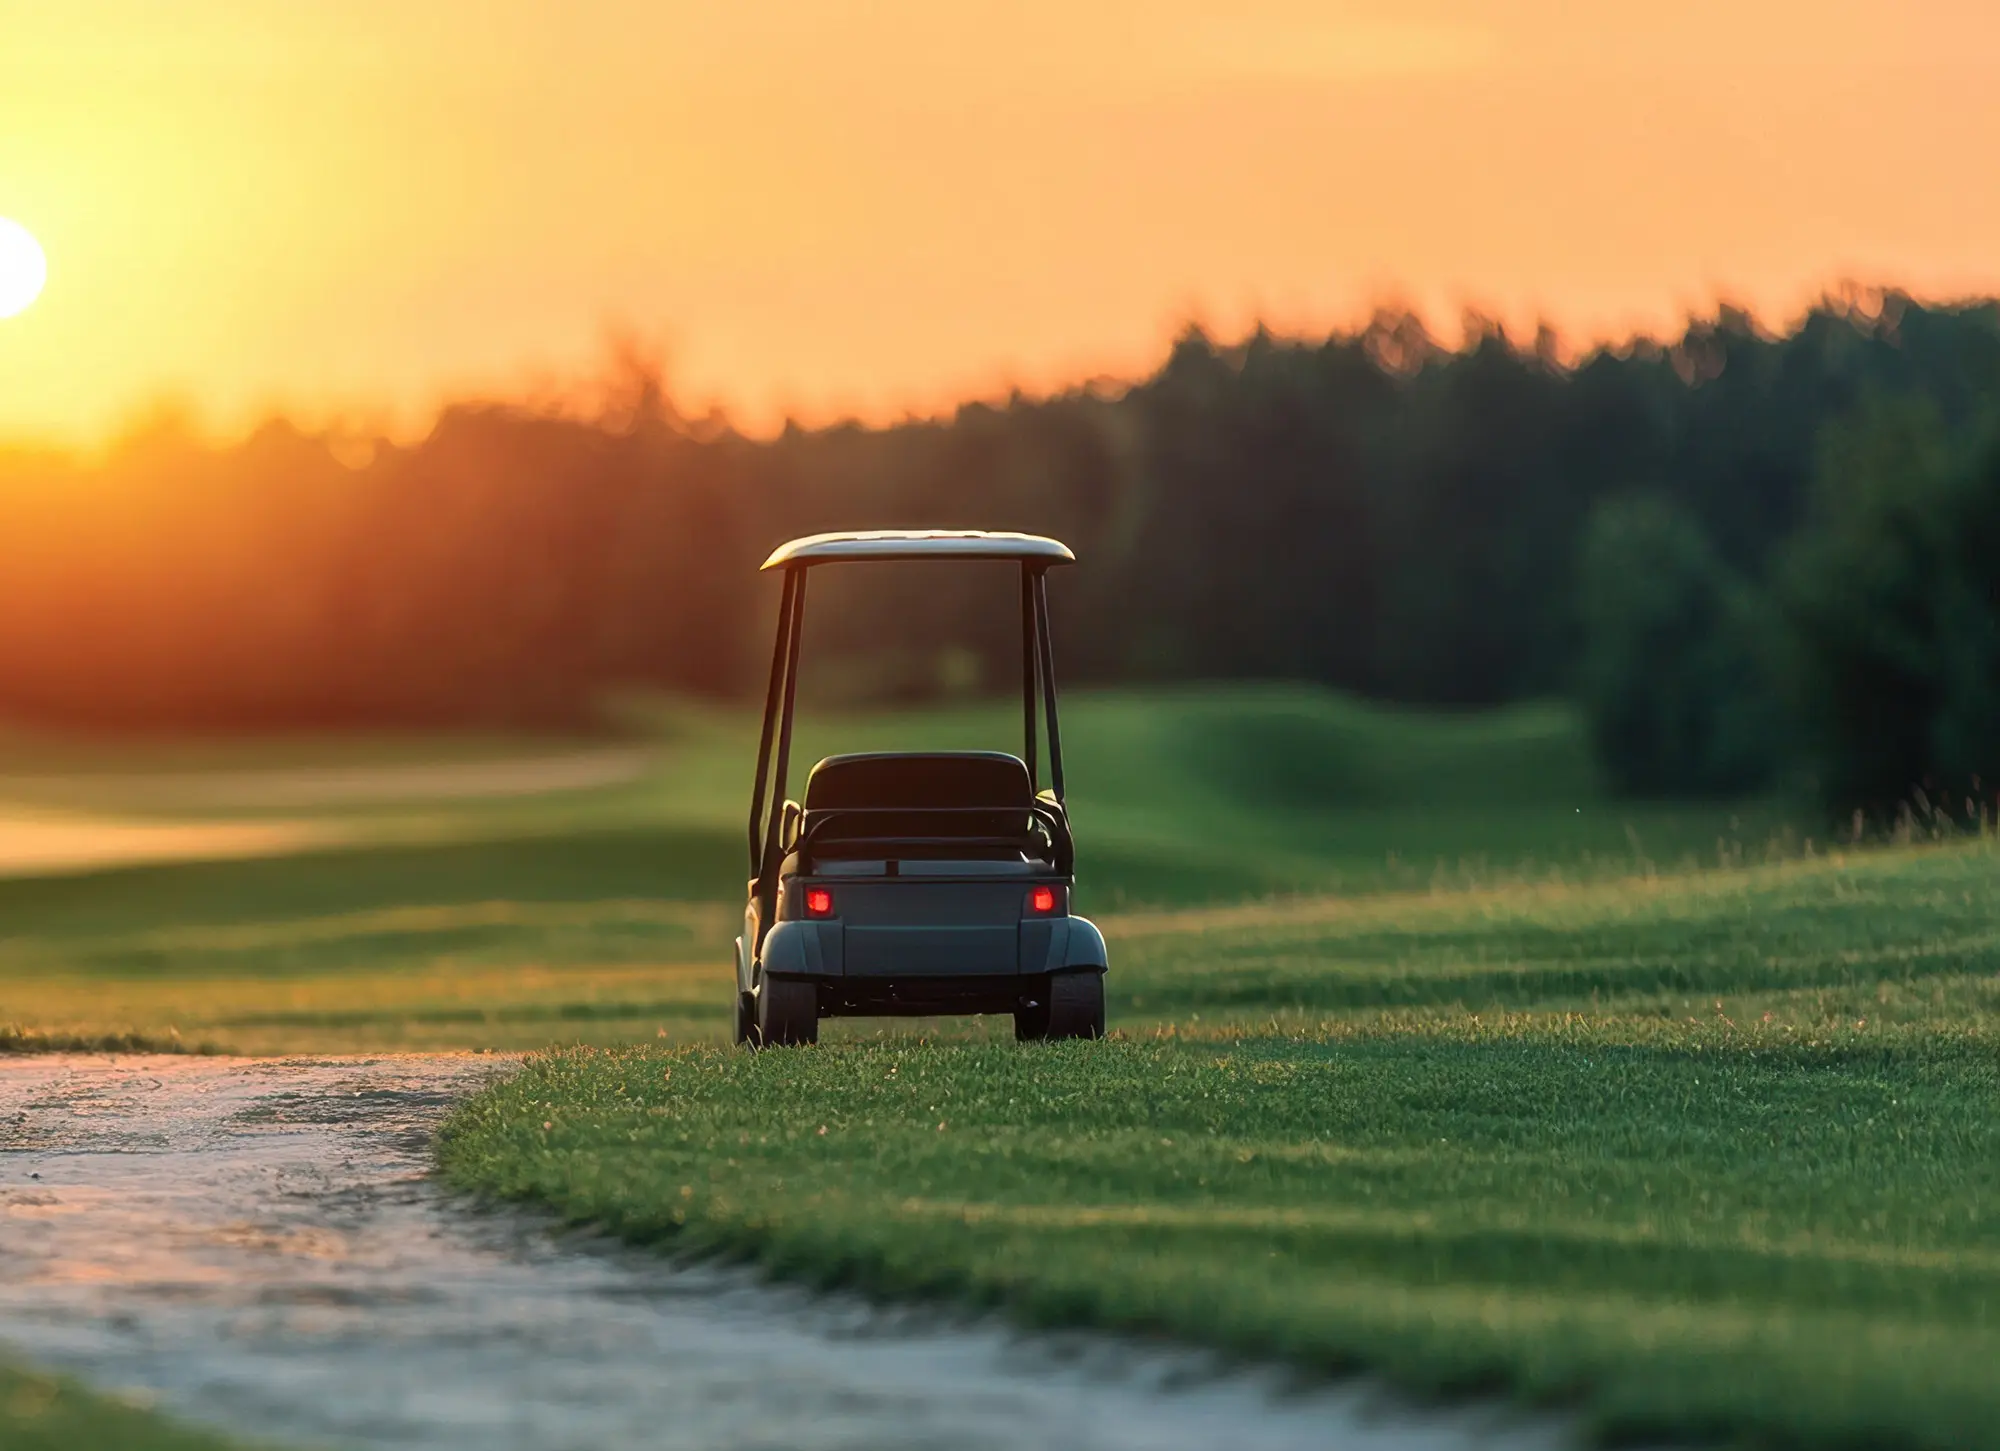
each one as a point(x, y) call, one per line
point(920, 928)
point(915, 882)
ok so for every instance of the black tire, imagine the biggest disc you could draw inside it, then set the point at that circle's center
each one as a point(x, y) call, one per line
point(787, 1012)
point(1075, 1006)
point(746, 1021)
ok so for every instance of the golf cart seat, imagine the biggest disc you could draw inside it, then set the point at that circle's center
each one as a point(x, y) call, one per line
point(972, 804)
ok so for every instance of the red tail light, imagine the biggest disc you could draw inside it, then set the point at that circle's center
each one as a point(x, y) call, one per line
point(1042, 899)
point(819, 902)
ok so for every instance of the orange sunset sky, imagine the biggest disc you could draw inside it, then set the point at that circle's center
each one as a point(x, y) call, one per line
point(365, 206)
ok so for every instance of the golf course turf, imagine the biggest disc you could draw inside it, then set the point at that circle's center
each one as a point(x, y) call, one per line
point(1428, 1059)
point(1713, 1157)
point(605, 915)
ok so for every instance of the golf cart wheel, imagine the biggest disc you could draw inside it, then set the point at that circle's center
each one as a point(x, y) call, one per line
point(787, 1012)
point(1075, 1005)
point(746, 1020)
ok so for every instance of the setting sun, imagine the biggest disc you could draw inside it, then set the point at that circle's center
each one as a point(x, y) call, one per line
point(23, 268)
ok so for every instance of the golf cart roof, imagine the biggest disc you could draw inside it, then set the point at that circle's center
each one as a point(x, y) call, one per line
point(918, 544)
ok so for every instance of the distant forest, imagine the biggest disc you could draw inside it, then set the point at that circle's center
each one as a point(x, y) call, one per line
point(1371, 510)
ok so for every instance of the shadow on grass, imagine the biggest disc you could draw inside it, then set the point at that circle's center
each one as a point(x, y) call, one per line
point(593, 1012)
point(1330, 987)
point(26, 1040)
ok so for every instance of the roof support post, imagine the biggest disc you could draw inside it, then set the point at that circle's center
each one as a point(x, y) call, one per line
point(767, 869)
point(1048, 682)
point(1031, 752)
point(770, 721)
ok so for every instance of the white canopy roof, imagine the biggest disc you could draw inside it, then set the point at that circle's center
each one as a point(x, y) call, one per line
point(918, 544)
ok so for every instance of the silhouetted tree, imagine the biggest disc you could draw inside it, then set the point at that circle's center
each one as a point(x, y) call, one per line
point(1892, 597)
point(1676, 667)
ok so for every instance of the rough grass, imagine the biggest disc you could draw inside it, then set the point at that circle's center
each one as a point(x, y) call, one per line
point(52, 1413)
point(1712, 1156)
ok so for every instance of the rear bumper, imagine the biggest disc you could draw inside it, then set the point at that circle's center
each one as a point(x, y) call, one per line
point(906, 954)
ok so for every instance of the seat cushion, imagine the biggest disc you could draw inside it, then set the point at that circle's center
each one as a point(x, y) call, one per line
point(929, 778)
point(962, 779)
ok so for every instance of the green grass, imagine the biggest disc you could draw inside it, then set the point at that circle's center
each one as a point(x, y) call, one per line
point(1204, 795)
point(606, 936)
point(52, 1413)
point(1711, 1156)
point(605, 914)
point(1179, 796)
point(1431, 1059)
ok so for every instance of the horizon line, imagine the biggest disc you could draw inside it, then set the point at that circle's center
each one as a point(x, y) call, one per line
point(626, 362)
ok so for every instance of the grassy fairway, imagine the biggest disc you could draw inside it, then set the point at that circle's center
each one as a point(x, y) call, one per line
point(1712, 1155)
point(49, 1413)
point(507, 943)
point(603, 913)
point(1432, 1060)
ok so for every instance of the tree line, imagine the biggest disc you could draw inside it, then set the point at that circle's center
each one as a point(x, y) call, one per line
point(1740, 548)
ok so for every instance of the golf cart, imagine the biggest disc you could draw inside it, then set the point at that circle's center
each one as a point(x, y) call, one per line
point(922, 882)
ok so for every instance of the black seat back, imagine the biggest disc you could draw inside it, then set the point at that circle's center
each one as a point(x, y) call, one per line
point(854, 796)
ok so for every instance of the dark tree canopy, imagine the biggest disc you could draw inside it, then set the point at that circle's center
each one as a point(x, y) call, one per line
point(1675, 673)
point(1892, 602)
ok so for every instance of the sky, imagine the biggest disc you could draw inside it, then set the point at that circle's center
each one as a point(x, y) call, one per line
point(359, 208)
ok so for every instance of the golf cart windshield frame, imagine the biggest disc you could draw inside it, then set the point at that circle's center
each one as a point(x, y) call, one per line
point(797, 558)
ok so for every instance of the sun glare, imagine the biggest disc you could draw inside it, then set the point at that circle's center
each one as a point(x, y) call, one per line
point(23, 268)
